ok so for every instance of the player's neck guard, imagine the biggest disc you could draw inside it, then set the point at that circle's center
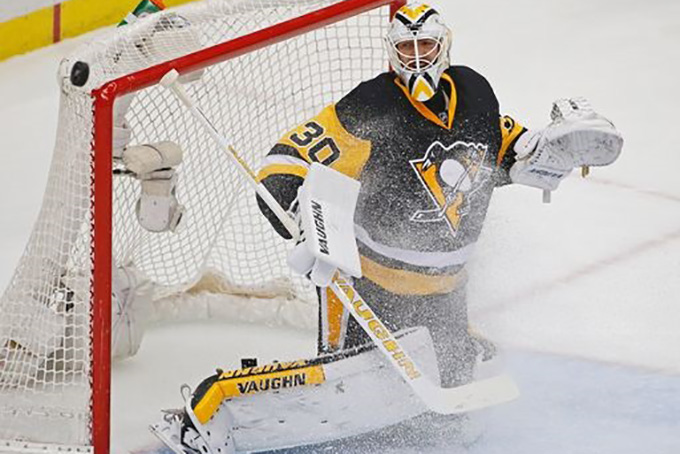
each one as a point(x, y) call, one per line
point(420, 73)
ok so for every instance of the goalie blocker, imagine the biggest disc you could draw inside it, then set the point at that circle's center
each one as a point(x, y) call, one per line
point(325, 213)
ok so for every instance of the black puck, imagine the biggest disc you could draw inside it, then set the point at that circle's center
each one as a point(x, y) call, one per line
point(80, 72)
point(248, 362)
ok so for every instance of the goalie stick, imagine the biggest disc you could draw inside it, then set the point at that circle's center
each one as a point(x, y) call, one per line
point(460, 399)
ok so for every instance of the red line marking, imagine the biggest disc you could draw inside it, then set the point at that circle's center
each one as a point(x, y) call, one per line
point(516, 299)
point(56, 23)
point(589, 269)
point(629, 187)
point(668, 371)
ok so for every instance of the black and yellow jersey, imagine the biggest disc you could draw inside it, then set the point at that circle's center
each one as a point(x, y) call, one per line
point(427, 178)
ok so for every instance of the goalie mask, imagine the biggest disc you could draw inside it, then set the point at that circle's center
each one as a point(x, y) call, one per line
point(418, 45)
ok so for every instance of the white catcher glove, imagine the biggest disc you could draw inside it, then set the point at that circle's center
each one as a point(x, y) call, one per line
point(325, 211)
point(577, 136)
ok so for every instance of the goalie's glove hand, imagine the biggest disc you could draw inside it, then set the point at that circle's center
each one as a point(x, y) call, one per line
point(576, 137)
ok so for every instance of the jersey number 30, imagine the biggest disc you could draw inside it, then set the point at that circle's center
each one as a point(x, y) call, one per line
point(324, 151)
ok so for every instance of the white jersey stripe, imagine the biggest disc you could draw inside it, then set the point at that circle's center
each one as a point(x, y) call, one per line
point(416, 258)
point(283, 160)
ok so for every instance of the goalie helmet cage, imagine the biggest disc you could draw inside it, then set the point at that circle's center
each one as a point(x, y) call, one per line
point(257, 67)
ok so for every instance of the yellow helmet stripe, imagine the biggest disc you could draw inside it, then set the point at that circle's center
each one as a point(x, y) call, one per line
point(414, 13)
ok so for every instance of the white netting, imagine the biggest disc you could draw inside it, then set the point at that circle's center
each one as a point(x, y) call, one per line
point(253, 99)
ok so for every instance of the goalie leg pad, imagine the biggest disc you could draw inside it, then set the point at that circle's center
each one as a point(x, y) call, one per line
point(213, 437)
point(179, 434)
point(272, 409)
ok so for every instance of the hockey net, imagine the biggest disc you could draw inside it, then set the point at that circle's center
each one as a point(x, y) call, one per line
point(258, 67)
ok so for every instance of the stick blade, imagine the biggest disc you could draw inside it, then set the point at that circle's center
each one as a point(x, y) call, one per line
point(473, 396)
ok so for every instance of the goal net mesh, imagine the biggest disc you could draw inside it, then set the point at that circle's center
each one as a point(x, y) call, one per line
point(222, 244)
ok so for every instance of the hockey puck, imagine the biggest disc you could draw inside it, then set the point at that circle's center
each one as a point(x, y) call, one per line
point(80, 72)
point(248, 362)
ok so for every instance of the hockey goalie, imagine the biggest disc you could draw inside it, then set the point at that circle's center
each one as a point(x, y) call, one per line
point(389, 188)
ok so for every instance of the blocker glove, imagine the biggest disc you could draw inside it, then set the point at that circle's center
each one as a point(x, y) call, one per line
point(325, 212)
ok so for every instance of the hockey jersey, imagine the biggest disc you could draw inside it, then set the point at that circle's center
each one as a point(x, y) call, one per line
point(427, 177)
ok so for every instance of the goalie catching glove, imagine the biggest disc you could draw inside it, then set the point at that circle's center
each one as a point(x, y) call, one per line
point(577, 136)
point(325, 212)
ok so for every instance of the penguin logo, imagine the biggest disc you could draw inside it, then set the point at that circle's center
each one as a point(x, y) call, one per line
point(450, 175)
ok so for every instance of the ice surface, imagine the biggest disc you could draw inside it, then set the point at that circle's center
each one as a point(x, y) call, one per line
point(584, 293)
point(570, 406)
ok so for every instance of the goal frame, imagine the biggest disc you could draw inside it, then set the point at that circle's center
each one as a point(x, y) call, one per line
point(101, 183)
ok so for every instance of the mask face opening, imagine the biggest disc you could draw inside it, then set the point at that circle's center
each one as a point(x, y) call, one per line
point(418, 55)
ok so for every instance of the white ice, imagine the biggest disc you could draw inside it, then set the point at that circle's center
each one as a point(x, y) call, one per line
point(584, 293)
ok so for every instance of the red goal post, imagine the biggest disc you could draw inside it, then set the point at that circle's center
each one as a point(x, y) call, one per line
point(101, 205)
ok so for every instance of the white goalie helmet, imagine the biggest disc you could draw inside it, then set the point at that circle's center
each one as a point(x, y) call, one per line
point(420, 72)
